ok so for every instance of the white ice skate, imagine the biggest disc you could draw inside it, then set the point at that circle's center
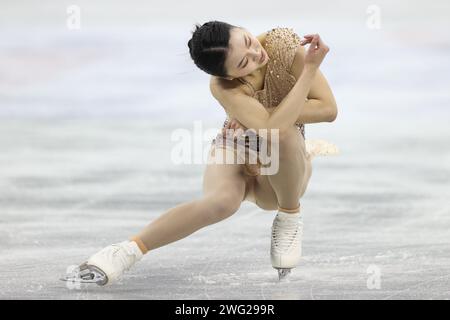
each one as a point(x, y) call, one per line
point(107, 265)
point(285, 249)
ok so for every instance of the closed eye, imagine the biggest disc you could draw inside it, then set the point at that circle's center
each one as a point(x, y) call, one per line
point(248, 43)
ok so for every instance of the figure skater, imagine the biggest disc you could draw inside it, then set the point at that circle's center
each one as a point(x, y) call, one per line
point(268, 81)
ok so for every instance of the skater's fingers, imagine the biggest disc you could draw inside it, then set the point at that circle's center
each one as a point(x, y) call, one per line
point(308, 39)
point(315, 41)
point(236, 124)
point(305, 41)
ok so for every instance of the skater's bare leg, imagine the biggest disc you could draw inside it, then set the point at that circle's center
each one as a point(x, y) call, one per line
point(290, 182)
point(224, 189)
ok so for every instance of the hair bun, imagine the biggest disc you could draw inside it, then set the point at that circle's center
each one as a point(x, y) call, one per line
point(208, 46)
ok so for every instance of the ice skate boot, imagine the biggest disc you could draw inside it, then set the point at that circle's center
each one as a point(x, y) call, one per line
point(285, 249)
point(107, 265)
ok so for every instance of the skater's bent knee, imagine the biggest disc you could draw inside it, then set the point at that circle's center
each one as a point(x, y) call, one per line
point(222, 206)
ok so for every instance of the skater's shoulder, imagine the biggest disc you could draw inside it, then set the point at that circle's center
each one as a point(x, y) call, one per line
point(219, 86)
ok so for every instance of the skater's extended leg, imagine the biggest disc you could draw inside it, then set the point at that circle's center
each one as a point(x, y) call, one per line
point(224, 188)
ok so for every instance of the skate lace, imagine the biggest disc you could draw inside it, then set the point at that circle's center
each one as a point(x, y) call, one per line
point(285, 232)
point(120, 254)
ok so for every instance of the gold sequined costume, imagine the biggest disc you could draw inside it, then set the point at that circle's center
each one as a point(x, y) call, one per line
point(280, 44)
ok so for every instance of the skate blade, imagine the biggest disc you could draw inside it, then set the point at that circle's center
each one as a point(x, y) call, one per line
point(283, 273)
point(87, 274)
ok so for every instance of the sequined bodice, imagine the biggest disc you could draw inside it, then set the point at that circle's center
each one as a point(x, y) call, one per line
point(280, 45)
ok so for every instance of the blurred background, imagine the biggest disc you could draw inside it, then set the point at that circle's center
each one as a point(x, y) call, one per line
point(91, 91)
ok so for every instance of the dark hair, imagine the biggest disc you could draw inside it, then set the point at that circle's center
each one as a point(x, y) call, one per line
point(209, 46)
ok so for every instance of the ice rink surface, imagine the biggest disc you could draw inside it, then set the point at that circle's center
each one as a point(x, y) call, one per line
point(86, 119)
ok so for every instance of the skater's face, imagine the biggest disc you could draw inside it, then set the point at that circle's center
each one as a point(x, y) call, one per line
point(245, 55)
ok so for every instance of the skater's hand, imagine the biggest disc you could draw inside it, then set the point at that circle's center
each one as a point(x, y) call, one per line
point(234, 124)
point(316, 52)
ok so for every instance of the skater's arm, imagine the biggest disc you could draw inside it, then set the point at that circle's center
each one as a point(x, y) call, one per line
point(293, 104)
point(252, 114)
point(321, 104)
point(288, 111)
point(247, 110)
point(317, 110)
